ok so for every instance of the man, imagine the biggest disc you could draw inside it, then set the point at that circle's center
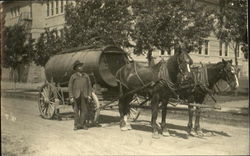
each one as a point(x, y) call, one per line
point(80, 90)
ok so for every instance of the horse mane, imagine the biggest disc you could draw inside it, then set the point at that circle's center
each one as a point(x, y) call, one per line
point(214, 65)
point(157, 66)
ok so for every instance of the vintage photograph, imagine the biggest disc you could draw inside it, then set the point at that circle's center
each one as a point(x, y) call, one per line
point(124, 77)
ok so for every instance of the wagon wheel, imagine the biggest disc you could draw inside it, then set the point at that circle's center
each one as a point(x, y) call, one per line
point(95, 105)
point(134, 112)
point(46, 103)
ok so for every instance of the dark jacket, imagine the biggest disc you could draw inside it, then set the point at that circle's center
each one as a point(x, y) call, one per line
point(79, 84)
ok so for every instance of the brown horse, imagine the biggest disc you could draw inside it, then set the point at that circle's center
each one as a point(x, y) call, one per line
point(155, 82)
point(221, 71)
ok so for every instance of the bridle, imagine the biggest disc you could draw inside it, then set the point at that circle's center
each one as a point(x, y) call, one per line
point(224, 71)
point(180, 65)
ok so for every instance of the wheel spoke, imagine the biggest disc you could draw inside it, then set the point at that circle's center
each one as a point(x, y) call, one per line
point(132, 115)
point(46, 101)
point(133, 110)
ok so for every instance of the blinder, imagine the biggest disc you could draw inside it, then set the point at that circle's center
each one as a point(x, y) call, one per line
point(225, 72)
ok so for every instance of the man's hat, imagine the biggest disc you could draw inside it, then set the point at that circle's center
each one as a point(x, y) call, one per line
point(77, 63)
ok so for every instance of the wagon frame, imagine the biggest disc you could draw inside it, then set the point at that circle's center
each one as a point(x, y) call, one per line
point(53, 95)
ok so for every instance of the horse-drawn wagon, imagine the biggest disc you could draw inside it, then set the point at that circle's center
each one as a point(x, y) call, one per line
point(100, 63)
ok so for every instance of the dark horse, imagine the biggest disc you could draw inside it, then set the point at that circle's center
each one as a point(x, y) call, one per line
point(153, 82)
point(223, 70)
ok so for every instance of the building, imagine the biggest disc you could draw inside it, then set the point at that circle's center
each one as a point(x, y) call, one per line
point(37, 15)
point(1, 28)
point(211, 51)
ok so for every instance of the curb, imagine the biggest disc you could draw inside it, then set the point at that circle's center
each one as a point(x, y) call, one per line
point(21, 95)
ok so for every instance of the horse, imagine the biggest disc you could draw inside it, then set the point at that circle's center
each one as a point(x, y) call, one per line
point(155, 82)
point(223, 70)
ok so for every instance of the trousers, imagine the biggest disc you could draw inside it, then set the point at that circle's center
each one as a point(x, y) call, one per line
point(80, 111)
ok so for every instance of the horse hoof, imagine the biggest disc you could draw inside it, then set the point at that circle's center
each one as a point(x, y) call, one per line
point(192, 133)
point(129, 127)
point(156, 135)
point(124, 129)
point(199, 133)
point(166, 133)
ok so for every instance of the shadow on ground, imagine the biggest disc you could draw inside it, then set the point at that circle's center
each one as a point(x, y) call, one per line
point(144, 125)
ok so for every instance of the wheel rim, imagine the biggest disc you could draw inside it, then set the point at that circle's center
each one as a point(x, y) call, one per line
point(134, 114)
point(46, 102)
point(97, 108)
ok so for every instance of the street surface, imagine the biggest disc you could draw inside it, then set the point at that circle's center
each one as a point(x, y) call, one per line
point(25, 132)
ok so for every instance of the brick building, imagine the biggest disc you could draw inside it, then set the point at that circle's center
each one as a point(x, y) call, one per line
point(37, 15)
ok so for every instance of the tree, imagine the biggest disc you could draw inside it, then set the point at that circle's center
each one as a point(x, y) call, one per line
point(232, 23)
point(48, 44)
point(94, 22)
point(18, 48)
point(165, 24)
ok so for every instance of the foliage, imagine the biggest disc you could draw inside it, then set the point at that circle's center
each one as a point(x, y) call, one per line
point(94, 22)
point(165, 24)
point(232, 21)
point(17, 48)
point(48, 44)
point(149, 24)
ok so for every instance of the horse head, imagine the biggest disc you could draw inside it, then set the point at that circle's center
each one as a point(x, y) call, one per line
point(228, 73)
point(183, 62)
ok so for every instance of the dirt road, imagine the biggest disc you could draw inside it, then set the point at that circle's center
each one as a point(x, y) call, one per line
point(24, 132)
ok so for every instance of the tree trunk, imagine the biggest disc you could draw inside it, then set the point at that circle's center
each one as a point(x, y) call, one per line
point(236, 53)
point(236, 48)
point(150, 57)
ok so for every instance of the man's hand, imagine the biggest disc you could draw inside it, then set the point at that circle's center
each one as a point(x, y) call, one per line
point(71, 100)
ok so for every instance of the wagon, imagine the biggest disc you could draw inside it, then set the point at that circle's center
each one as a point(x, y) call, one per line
point(100, 63)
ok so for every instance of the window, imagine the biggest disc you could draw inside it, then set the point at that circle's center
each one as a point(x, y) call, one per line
point(220, 49)
point(52, 8)
point(56, 32)
point(29, 36)
point(62, 6)
point(169, 52)
point(18, 11)
point(238, 51)
point(62, 33)
point(162, 52)
point(200, 47)
point(206, 47)
point(15, 12)
point(48, 8)
point(57, 6)
point(12, 12)
point(226, 49)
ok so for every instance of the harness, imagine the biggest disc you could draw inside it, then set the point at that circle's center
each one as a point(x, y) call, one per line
point(200, 78)
point(137, 75)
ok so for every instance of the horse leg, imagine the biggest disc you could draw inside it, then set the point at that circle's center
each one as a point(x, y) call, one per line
point(124, 110)
point(190, 121)
point(127, 111)
point(121, 111)
point(197, 122)
point(165, 131)
point(155, 108)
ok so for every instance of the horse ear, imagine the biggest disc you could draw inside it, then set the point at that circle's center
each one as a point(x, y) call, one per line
point(231, 61)
point(223, 61)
